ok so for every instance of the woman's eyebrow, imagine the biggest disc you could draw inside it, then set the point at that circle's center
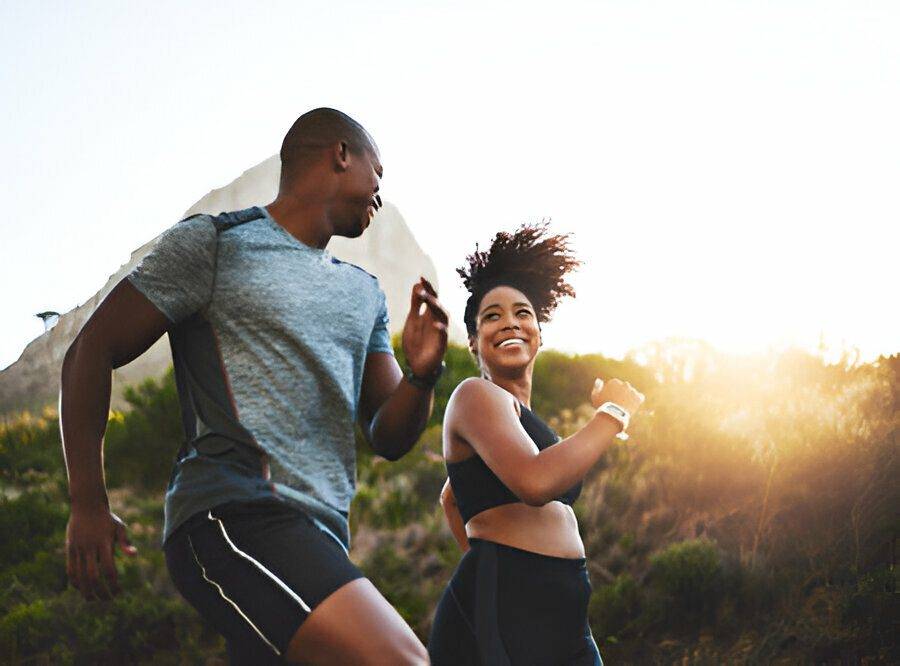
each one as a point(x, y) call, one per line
point(497, 305)
point(488, 307)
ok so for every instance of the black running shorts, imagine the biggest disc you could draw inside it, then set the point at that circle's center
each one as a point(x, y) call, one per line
point(255, 571)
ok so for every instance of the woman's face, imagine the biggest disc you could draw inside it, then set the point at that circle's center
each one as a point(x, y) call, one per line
point(507, 334)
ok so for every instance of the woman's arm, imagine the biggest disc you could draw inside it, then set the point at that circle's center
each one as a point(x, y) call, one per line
point(484, 415)
point(454, 519)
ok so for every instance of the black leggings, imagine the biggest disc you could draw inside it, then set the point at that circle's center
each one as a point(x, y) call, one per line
point(505, 606)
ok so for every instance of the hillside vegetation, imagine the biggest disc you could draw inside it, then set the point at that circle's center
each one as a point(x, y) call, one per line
point(752, 517)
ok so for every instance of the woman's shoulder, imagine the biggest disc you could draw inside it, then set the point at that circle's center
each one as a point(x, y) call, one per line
point(474, 385)
point(481, 393)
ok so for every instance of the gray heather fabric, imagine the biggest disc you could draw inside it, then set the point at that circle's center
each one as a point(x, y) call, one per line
point(270, 338)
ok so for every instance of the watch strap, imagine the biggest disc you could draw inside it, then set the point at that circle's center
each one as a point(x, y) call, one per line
point(618, 412)
point(426, 382)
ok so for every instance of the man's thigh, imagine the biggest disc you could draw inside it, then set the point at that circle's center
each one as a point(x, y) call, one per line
point(356, 625)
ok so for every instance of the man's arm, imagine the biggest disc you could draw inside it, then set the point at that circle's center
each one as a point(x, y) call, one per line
point(393, 412)
point(124, 326)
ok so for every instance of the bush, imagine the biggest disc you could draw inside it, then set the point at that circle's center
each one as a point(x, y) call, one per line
point(613, 608)
point(688, 578)
point(141, 444)
point(30, 523)
point(135, 627)
point(391, 495)
point(29, 446)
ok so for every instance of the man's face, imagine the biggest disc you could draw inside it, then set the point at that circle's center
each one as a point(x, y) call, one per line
point(358, 199)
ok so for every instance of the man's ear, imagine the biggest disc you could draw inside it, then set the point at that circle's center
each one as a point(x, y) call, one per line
point(341, 155)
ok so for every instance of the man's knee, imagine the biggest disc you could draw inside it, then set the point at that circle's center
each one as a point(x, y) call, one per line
point(413, 653)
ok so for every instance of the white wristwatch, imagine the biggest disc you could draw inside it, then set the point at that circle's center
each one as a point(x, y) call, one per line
point(619, 413)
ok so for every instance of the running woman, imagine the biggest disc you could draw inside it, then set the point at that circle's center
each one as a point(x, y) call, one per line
point(278, 348)
point(520, 593)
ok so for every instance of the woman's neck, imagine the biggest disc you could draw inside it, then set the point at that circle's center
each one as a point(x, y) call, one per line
point(519, 386)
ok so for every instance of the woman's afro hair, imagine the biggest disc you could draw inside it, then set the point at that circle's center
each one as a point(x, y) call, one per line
point(530, 260)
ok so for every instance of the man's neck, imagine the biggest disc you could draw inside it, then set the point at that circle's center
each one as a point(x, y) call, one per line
point(304, 218)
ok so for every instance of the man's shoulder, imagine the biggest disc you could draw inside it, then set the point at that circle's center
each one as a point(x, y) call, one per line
point(341, 262)
point(225, 220)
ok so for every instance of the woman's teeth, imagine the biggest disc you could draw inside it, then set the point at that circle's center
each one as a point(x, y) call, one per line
point(513, 341)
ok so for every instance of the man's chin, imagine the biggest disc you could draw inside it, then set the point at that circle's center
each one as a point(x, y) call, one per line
point(353, 231)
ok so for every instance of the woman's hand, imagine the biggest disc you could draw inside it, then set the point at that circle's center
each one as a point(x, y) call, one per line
point(619, 392)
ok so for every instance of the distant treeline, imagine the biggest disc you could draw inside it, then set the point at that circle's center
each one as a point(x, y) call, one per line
point(752, 516)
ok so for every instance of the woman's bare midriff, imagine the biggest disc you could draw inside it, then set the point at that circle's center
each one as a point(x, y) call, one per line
point(551, 529)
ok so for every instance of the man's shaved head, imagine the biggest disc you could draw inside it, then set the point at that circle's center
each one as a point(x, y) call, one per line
point(315, 130)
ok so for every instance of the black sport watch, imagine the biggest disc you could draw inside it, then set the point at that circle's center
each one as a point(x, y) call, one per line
point(428, 381)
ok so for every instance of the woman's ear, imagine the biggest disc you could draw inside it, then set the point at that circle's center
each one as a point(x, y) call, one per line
point(473, 346)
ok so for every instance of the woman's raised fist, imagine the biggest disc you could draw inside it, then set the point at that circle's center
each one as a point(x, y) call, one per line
point(617, 391)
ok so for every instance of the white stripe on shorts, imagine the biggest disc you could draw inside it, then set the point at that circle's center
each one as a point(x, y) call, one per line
point(225, 597)
point(327, 531)
point(259, 566)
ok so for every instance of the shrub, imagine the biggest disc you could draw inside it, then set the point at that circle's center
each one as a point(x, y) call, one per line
point(30, 523)
point(141, 444)
point(29, 445)
point(614, 607)
point(688, 578)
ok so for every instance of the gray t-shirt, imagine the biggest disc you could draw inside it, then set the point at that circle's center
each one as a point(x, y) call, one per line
point(269, 341)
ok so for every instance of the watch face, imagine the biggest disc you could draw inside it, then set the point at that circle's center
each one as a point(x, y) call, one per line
point(617, 410)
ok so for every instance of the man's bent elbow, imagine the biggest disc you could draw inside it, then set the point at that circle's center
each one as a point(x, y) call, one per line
point(71, 358)
point(84, 348)
point(391, 454)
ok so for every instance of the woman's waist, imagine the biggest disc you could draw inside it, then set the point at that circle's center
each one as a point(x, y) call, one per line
point(551, 529)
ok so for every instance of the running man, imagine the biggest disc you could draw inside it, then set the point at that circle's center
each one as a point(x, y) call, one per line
point(278, 348)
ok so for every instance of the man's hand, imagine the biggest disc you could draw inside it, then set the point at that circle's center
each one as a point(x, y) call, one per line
point(91, 538)
point(425, 332)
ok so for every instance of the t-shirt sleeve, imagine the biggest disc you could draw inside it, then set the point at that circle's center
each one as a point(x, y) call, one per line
point(177, 274)
point(380, 339)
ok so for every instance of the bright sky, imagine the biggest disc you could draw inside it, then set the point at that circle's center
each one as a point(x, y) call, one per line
point(730, 168)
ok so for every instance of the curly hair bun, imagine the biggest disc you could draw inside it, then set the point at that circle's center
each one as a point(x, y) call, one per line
point(530, 260)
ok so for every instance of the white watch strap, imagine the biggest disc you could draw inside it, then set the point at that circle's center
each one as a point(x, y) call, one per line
point(619, 413)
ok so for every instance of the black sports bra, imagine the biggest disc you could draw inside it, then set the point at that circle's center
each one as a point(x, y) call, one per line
point(477, 488)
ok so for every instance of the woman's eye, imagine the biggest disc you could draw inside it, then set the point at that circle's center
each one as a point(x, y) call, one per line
point(487, 317)
point(525, 312)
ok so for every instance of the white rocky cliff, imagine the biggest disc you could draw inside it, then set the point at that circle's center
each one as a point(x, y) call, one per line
point(387, 249)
